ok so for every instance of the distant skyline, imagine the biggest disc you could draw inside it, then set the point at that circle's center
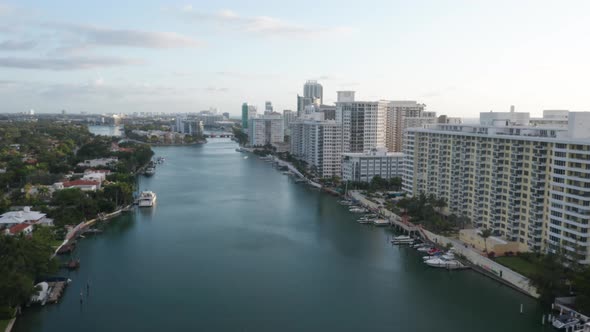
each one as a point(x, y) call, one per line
point(458, 57)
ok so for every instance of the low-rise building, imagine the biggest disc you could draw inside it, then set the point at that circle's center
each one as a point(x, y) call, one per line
point(24, 228)
point(100, 162)
point(362, 167)
point(84, 185)
point(25, 215)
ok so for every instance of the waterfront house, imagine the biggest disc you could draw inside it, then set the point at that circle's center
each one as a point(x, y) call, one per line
point(100, 162)
point(24, 228)
point(25, 215)
point(84, 185)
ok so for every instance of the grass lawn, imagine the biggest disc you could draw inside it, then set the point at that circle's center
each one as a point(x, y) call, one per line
point(3, 324)
point(518, 264)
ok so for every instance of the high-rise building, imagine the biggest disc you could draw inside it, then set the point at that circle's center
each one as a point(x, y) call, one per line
point(266, 129)
point(363, 124)
point(252, 112)
point(318, 142)
point(529, 184)
point(402, 115)
point(268, 107)
point(288, 117)
point(245, 115)
point(189, 126)
point(313, 90)
point(225, 115)
point(302, 102)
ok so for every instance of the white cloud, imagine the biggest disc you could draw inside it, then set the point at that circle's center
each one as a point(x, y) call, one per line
point(66, 63)
point(264, 25)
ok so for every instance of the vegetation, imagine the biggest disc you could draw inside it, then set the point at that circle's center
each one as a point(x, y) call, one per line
point(23, 259)
point(426, 211)
point(240, 135)
point(377, 183)
point(519, 264)
point(485, 234)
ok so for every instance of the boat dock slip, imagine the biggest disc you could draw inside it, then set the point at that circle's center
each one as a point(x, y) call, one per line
point(56, 290)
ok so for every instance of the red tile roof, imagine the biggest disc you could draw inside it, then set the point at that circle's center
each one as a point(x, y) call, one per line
point(18, 228)
point(81, 183)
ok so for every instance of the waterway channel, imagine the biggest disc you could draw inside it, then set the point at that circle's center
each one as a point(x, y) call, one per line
point(235, 245)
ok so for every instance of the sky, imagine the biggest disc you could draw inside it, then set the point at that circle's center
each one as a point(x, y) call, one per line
point(457, 57)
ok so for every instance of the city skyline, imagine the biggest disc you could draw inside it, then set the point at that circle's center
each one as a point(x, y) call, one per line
point(458, 60)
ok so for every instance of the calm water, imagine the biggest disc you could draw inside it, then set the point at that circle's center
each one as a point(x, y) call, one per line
point(106, 130)
point(234, 245)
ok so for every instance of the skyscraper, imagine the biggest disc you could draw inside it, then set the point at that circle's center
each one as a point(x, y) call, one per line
point(267, 107)
point(402, 115)
point(363, 124)
point(313, 90)
point(245, 115)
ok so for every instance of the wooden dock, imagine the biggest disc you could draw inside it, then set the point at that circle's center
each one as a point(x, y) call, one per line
point(57, 288)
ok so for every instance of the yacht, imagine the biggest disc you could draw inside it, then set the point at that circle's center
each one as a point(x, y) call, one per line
point(565, 322)
point(445, 263)
point(402, 239)
point(150, 171)
point(147, 199)
point(382, 222)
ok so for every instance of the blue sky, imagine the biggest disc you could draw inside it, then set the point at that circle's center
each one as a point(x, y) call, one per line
point(458, 57)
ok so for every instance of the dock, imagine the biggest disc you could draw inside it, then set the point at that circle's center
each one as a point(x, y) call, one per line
point(56, 290)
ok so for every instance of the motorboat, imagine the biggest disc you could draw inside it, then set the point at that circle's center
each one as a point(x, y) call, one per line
point(565, 322)
point(357, 210)
point(444, 263)
point(425, 248)
point(382, 222)
point(402, 239)
point(435, 255)
point(364, 221)
point(146, 199)
point(150, 171)
point(42, 293)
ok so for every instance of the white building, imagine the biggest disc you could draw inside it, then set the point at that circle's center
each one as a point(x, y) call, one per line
point(267, 129)
point(12, 218)
point(363, 124)
point(100, 162)
point(402, 114)
point(362, 167)
point(529, 184)
point(318, 142)
point(313, 91)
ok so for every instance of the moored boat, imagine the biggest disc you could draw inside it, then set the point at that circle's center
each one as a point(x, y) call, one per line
point(146, 199)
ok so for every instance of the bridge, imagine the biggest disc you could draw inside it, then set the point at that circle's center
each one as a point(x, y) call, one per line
point(217, 134)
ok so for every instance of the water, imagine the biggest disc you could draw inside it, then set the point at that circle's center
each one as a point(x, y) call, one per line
point(234, 245)
point(106, 130)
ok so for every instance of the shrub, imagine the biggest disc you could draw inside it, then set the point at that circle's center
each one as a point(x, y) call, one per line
point(491, 254)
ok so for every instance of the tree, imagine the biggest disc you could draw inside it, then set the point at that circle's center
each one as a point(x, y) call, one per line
point(485, 234)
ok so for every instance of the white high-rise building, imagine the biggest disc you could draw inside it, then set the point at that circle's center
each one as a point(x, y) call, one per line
point(402, 115)
point(252, 112)
point(363, 124)
point(266, 130)
point(319, 143)
point(268, 107)
point(529, 184)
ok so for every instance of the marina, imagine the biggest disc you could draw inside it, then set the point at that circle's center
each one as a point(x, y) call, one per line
point(237, 246)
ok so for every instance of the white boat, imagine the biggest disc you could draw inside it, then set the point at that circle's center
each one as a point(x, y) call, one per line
point(425, 249)
point(146, 199)
point(150, 171)
point(444, 263)
point(42, 293)
point(357, 210)
point(402, 239)
point(564, 322)
point(381, 222)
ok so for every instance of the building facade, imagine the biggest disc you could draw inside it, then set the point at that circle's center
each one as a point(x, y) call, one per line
point(288, 117)
point(528, 184)
point(245, 115)
point(319, 143)
point(402, 115)
point(313, 90)
point(266, 130)
point(363, 124)
point(362, 167)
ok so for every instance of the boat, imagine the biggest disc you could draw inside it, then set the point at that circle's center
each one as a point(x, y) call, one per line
point(146, 199)
point(365, 221)
point(245, 157)
point(357, 210)
point(402, 239)
point(42, 293)
point(444, 263)
point(435, 255)
point(149, 171)
point(425, 248)
point(565, 322)
point(382, 222)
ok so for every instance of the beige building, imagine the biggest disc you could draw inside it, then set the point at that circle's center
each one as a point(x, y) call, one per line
point(529, 184)
point(402, 115)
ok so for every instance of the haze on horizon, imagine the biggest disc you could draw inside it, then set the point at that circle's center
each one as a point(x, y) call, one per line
point(458, 57)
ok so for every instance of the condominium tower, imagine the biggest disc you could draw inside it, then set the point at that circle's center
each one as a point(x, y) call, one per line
point(528, 183)
point(402, 115)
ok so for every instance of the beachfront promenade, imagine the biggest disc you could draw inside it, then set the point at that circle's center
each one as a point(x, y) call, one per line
point(498, 271)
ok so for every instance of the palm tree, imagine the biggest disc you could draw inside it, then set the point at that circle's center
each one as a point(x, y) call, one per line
point(484, 235)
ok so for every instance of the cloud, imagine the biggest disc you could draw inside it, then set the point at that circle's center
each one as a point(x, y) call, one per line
point(243, 75)
point(16, 45)
point(67, 63)
point(263, 25)
point(215, 89)
point(85, 36)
